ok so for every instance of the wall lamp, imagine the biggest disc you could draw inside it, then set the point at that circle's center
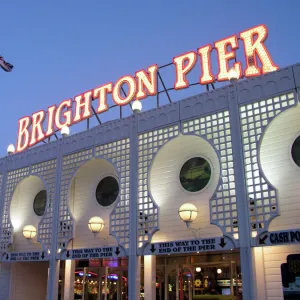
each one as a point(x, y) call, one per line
point(188, 213)
point(96, 225)
point(29, 232)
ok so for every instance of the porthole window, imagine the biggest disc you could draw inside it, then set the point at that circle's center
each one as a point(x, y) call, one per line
point(195, 174)
point(39, 203)
point(296, 151)
point(107, 191)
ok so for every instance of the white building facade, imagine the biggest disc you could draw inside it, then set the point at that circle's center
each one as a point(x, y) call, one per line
point(232, 154)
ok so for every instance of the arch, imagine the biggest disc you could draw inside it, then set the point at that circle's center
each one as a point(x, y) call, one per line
point(82, 203)
point(21, 212)
point(277, 166)
point(166, 191)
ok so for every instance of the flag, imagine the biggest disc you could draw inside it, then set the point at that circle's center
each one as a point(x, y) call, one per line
point(7, 67)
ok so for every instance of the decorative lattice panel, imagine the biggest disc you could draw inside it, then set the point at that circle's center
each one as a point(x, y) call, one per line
point(47, 171)
point(216, 129)
point(66, 223)
point(263, 204)
point(119, 154)
point(149, 143)
point(13, 178)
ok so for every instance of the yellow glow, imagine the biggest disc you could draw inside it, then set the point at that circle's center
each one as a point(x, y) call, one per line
point(254, 234)
point(188, 212)
point(16, 223)
point(204, 53)
point(184, 64)
point(29, 232)
point(236, 236)
point(224, 57)
point(257, 48)
point(96, 224)
point(146, 82)
point(117, 90)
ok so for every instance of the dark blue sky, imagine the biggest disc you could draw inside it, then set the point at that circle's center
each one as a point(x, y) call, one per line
point(62, 48)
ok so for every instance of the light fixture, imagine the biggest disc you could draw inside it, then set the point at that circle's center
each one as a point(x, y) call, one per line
point(29, 232)
point(188, 213)
point(137, 106)
point(96, 224)
point(198, 269)
point(233, 75)
point(65, 131)
point(219, 271)
point(11, 149)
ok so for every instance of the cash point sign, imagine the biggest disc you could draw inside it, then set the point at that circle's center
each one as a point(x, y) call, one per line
point(35, 128)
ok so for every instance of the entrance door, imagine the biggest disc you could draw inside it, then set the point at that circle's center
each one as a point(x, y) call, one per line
point(101, 282)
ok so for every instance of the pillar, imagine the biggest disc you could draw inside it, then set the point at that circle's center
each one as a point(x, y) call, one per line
point(134, 263)
point(241, 195)
point(69, 279)
point(100, 275)
point(260, 287)
point(150, 277)
point(166, 283)
point(119, 285)
point(53, 275)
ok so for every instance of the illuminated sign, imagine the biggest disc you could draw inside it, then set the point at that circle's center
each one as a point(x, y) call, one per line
point(25, 256)
point(35, 128)
point(189, 246)
point(91, 253)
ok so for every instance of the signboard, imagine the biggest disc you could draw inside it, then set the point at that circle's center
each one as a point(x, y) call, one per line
point(42, 124)
point(189, 246)
point(276, 238)
point(90, 253)
point(25, 256)
point(290, 275)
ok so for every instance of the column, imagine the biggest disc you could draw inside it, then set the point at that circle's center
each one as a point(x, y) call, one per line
point(69, 279)
point(259, 273)
point(166, 270)
point(177, 282)
point(53, 277)
point(105, 283)
point(119, 285)
point(133, 259)
point(150, 277)
point(231, 277)
point(100, 275)
point(85, 281)
point(241, 195)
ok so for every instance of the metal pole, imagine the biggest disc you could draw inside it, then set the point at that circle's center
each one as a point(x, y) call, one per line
point(133, 263)
point(241, 196)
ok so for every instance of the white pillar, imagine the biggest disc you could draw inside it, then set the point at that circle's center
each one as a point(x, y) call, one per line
point(53, 278)
point(53, 275)
point(241, 195)
point(258, 258)
point(69, 279)
point(150, 277)
point(133, 259)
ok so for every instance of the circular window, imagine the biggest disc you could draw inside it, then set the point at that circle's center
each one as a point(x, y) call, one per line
point(296, 151)
point(195, 174)
point(107, 191)
point(39, 203)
